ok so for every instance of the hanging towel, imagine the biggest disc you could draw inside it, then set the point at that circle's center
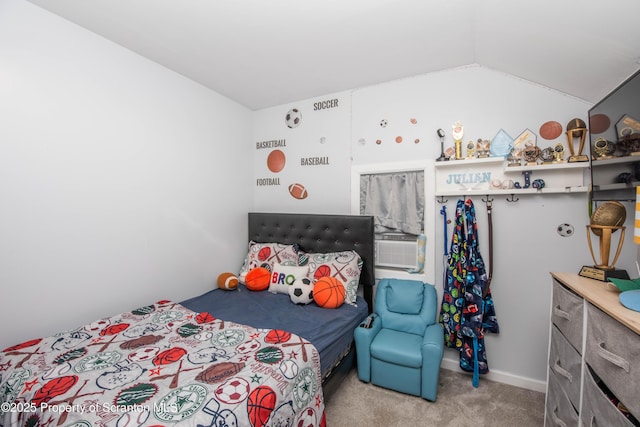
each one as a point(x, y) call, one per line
point(465, 314)
point(452, 299)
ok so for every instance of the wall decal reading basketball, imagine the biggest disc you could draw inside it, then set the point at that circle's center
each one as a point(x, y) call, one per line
point(276, 161)
point(550, 130)
point(298, 191)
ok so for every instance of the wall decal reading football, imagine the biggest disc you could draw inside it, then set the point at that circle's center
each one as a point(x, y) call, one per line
point(298, 191)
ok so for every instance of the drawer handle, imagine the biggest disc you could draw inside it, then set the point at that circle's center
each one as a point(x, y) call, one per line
point(561, 313)
point(593, 421)
point(556, 420)
point(613, 358)
point(561, 371)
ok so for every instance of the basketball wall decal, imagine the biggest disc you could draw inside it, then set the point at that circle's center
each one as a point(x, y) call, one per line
point(276, 161)
point(298, 191)
point(227, 281)
point(550, 130)
point(328, 292)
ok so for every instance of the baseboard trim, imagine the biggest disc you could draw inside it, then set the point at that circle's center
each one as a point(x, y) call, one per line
point(500, 377)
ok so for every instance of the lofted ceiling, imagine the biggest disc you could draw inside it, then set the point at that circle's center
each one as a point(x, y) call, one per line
point(263, 53)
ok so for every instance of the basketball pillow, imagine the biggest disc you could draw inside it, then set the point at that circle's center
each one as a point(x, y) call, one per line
point(227, 281)
point(257, 279)
point(329, 292)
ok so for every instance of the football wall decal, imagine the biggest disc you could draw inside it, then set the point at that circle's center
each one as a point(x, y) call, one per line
point(298, 191)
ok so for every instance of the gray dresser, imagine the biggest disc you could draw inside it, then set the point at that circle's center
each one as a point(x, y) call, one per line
point(594, 356)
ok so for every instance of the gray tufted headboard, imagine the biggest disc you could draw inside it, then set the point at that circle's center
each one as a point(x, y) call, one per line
point(321, 233)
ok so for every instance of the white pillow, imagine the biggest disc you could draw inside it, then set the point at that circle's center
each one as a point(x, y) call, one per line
point(283, 276)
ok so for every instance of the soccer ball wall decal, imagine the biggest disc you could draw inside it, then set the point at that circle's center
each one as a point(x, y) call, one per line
point(293, 118)
point(301, 291)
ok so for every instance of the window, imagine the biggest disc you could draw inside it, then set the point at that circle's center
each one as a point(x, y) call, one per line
point(396, 200)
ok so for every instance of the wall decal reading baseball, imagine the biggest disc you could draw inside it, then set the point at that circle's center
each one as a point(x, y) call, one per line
point(298, 191)
point(276, 161)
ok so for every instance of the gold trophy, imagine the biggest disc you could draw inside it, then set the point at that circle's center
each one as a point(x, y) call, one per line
point(457, 132)
point(605, 221)
point(576, 128)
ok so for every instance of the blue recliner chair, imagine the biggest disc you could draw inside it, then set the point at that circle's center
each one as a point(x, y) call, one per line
point(402, 349)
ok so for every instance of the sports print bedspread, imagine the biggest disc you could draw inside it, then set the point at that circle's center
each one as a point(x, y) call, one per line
point(162, 365)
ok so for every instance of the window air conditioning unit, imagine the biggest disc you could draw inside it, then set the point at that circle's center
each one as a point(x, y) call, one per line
point(402, 254)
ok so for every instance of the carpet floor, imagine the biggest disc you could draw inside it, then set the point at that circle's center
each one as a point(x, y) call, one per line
point(458, 404)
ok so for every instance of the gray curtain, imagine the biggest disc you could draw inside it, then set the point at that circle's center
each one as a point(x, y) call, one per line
point(396, 200)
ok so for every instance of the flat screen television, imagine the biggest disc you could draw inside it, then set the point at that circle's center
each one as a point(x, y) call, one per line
point(614, 136)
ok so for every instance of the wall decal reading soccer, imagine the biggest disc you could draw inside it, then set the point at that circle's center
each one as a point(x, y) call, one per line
point(293, 118)
point(276, 161)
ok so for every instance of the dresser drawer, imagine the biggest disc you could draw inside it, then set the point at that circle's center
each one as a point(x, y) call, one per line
point(567, 313)
point(565, 362)
point(597, 409)
point(613, 351)
point(559, 411)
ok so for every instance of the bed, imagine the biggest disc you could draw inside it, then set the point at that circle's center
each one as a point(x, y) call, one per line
point(198, 362)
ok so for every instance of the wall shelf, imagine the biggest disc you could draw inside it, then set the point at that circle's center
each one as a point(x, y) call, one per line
point(469, 177)
point(605, 176)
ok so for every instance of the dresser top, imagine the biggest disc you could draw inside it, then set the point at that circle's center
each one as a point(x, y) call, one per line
point(604, 295)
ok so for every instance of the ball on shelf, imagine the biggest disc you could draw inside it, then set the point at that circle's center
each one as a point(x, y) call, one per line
point(227, 281)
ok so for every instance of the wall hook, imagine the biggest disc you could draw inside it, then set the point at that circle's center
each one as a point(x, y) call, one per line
point(441, 200)
point(512, 199)
point(487, 200)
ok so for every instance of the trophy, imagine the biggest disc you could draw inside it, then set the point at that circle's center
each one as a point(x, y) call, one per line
point(605, 221)
point(457, 137)
point(483, 148)
point(558, 153)
point(442, 157)
point(576, 128)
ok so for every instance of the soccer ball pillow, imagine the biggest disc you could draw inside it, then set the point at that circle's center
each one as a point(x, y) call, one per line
point(301, 291)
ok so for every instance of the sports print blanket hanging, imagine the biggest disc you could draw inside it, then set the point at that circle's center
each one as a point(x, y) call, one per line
point(465, 314)
point(159, 365)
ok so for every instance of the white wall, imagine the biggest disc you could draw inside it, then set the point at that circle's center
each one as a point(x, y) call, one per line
point(119, 181)
point(323, 133)
point(116, 188)
point(527, 245)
